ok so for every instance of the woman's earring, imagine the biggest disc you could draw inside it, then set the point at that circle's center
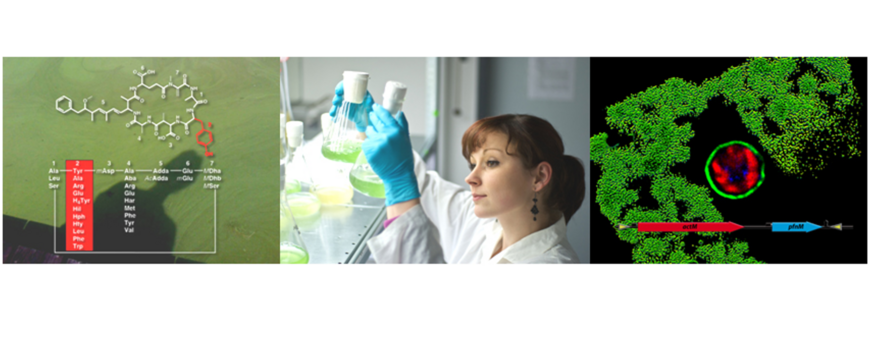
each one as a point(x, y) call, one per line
point(535, 207)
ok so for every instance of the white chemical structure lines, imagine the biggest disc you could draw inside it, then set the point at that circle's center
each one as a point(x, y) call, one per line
point(136, 114)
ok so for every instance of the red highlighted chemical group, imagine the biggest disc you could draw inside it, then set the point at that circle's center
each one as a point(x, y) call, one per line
point(730, 227)
point(210, 138)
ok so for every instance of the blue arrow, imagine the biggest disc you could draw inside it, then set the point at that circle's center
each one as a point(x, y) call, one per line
point(793, 227)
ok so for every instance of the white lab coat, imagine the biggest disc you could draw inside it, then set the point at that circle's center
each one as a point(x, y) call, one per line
point(443, 228)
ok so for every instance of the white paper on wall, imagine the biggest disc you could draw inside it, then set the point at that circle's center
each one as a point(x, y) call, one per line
point(551, 79)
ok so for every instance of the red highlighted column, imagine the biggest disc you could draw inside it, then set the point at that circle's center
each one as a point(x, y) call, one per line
point(689, 226)
point(80, 205)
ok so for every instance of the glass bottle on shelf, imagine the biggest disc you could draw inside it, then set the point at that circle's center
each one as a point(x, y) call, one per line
point(296, 171)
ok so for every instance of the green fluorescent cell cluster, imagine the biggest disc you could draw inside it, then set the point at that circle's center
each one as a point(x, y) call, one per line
point(812, 102)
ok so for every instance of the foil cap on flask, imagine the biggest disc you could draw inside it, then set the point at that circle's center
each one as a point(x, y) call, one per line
point(355, 85)
point(395, 90)
point(294, 133)
point(394, 96)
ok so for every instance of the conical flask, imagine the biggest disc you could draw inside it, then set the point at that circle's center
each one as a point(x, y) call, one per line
point(341, 140)
point(296, 173)
point(293, 249)
point(363, 179)
point(304, 206)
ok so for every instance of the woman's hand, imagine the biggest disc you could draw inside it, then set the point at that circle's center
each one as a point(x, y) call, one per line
point(358, 112)
point(388, 150)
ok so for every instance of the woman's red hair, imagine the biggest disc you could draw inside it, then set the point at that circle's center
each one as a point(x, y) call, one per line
point(534, 141)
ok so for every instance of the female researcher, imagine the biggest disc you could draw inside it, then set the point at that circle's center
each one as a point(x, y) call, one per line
point(523, 191)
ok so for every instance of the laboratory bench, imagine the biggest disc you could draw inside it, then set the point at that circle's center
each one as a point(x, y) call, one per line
point(339, 234)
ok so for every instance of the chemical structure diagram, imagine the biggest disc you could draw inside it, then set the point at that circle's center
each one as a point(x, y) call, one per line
point(142, 73)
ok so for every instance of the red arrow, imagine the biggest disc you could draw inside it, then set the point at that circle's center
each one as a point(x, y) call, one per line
point(690, 226)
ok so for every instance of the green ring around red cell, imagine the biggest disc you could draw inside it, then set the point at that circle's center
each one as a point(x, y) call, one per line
point(713, 183)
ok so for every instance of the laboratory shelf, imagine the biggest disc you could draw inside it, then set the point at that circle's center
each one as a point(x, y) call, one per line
point(342, 230)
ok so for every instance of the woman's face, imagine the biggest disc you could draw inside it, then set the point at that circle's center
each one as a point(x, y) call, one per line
point(499, 182)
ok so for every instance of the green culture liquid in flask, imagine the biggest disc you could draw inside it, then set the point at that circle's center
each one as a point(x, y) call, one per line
point(293, 255)
point(292, 248)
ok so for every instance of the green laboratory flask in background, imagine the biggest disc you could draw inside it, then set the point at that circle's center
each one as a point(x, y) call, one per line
point(293, 249)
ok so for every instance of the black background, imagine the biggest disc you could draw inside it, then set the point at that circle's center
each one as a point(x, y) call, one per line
point(838, 195)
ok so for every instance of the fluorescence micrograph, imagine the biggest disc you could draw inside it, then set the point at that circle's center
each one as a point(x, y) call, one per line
point(735, 169)
point(745, 140)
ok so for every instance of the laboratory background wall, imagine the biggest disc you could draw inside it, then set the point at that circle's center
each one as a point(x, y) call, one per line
point(319, 75)
point(504, 88)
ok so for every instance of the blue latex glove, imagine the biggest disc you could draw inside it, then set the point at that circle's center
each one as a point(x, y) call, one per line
point(388, 150)
point(358, 112)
